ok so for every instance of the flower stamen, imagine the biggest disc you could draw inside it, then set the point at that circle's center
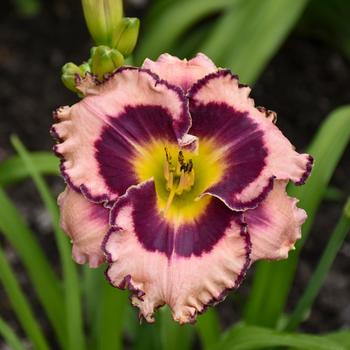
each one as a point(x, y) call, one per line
point(179, 177)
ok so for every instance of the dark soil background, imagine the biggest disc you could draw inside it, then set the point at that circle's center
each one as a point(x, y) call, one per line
point(304, 82)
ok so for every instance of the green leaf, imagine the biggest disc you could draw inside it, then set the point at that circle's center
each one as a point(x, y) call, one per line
point(13, 170)
point(10, 336)
point(28, 8)
point(188, 45)
point(334, 194)
point(342, 337)
point(328, 21)
point(147, 336)
point(245, 37)
point(92, 295)
point(74, 320)
point(250, 33)
point(265, 28)
point(110, 317)
point(174, 336)
point(272, 281)
point(208, 328)
point(46, 284)
point(250, 337)
point(226, 31)
point(319, 275)
point(21, 305)
point(167, 24)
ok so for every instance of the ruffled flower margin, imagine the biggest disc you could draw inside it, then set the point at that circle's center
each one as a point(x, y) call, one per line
point(180, 237)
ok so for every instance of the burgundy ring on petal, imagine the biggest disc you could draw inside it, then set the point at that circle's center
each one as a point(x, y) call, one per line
point(177, 181)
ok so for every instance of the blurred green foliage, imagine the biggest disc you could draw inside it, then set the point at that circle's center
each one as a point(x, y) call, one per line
point(328, 20)
point(28, 8)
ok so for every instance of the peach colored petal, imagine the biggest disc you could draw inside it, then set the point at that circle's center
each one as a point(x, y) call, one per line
point(275, 225)
point(148, 256)
point(220, 106)
point(86, 224)
point(98, 136)
point(181, 73)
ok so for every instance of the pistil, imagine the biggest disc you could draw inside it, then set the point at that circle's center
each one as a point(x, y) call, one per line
point(179, 177)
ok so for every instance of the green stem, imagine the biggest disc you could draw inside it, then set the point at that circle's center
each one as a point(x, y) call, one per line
point(317, 279)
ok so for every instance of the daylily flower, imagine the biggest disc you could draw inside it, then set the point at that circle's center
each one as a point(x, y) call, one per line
point(178, 180)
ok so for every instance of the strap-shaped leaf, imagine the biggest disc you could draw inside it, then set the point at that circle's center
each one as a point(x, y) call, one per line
point(208, 328)
point(109, 316)
point(335, 242)
point(72, 299)
point(272, 281)
point(250, 338)
point(10, 336)
point(13, 170)
point(250, 33)
point(172, 335)
point(341, 337)
point(46, 284)
point(21, 305)
point(169, 21)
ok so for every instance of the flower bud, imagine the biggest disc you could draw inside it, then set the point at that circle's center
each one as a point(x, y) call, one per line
point(85, 68)
point(69, 75)
point(125, 35)
point(105, 60)
point(102, 17)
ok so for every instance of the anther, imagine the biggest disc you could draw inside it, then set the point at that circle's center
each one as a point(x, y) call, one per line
point(189, 166)
point(179, 177)
point(181, 158)
point(167, 155)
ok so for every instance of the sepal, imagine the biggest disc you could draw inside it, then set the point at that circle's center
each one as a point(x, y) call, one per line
point(105, 60)
point(71, 72)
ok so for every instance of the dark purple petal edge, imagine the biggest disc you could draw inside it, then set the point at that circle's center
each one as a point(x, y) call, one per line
point(203, 81)
point(244, 233)
point(126, 282)
point(307, 172)
point(181, 128)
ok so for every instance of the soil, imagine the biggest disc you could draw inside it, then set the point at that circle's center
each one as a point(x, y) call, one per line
point(304, 82)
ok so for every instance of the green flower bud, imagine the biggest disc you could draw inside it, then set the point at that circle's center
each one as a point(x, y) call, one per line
point(125, 35)
point(85, 68)
point(69, 75)
point(105, 60)
point(102, 17)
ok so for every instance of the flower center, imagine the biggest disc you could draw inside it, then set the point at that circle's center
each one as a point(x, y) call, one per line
point(179, 176)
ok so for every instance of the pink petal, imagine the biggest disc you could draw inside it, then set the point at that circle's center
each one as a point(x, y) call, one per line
point(86, 224)
point(275, 225)
point(252, 148)
point(100, 135)
point(188, 266)
point(181, 73)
